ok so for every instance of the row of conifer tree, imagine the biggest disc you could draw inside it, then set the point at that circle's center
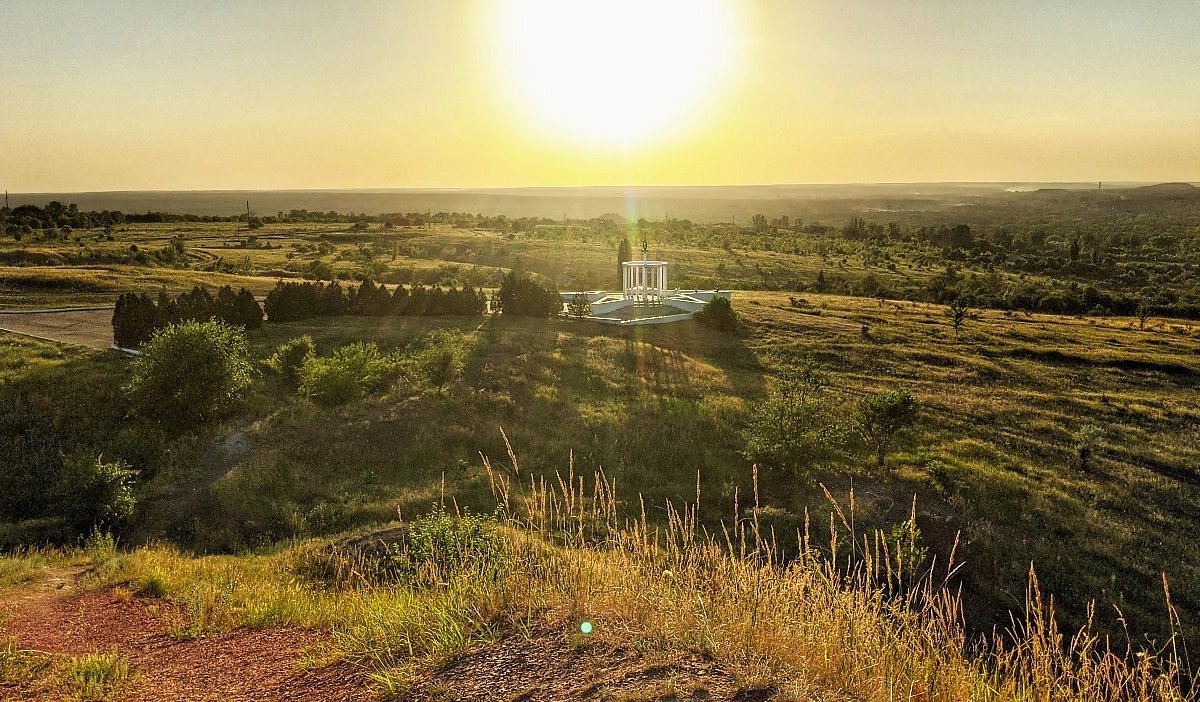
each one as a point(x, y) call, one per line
point(137, 315)
point(290, 301)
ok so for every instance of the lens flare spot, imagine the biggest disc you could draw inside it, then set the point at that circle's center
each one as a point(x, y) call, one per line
point(585, 627)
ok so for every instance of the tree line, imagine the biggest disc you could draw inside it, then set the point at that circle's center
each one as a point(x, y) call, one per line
point(290, 301)
point(137, 315)
point(24, 219)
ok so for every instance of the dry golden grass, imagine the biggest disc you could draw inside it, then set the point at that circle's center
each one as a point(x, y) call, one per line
point(856, 624)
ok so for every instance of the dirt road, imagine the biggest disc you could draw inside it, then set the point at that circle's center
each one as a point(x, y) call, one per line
point(86, 326)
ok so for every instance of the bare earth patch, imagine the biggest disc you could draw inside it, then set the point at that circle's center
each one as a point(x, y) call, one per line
point(238, 666)
point(85, 327)
point(547, 667)
point(244, 665)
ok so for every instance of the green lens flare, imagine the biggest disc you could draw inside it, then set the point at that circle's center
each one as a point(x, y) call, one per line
point(586, 627)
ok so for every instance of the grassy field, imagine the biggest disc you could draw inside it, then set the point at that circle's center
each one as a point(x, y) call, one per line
point(662, 411)
point(580, 256)
point(993, 456)
point(557, 565)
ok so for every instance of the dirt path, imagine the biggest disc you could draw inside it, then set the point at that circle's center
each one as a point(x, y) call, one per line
point(547, 667)
point(59, 618)
point(90, 326)
point(239, 666)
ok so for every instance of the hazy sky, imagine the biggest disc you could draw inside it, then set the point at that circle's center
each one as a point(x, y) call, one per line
point(364, 94)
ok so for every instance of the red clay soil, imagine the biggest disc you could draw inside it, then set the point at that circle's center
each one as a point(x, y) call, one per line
point(238, 666)
point(245, 665)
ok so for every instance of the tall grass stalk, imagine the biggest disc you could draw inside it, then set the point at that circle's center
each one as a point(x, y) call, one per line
point(864, 619)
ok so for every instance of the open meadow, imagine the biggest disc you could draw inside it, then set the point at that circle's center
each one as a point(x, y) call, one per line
point(1065, 443)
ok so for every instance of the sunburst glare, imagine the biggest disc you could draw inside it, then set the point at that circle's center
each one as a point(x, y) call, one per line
point(616, 71)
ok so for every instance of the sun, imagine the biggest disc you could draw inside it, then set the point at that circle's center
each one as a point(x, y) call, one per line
point(615, 71)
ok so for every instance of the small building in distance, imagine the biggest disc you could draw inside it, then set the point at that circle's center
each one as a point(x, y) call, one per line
point(644, 297)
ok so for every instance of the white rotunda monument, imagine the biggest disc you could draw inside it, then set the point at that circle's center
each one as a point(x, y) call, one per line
point(644, 281)
point(644, 296)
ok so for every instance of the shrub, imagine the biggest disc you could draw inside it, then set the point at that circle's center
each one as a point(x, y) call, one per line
point(91, 494)
point(882, 417)
point(579, 306)
point(428, 551)
point(191, 372)
point(444, 358)
point(1086, 440)
point(522, 295)
point(352, 372)
point(289, 358)
point(719, 314)
point(451, 543)
point(796, 429)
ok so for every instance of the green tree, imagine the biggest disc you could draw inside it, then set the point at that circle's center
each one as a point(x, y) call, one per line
point(719, 314)
point(522, 295)
point(796, 429)
point(882, 417)
point(959, 311)
point(191, 372)
point(134, 319)
point(1143, 314)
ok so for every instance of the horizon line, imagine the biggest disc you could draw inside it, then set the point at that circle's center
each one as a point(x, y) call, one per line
point(462, 189)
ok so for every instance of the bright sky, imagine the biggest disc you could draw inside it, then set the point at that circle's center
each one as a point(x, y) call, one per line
point(493, 93)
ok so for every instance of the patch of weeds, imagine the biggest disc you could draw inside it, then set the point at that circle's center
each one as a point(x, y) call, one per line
point(96, 676)
point(100, 547)
point(19, 665)
point(150, 585)
point(425, 552)
point(394, 683)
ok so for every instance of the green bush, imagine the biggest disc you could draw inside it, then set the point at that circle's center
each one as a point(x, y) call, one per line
point(444, 358)
point(523, 295)
point(92, 494)
point(352, 372)
point(430, 551)
point(719, 314)
point(289, 358)
point(797, 429)
point(579, 306)
point(191, 372)
point(451, 544)
point(882, 417)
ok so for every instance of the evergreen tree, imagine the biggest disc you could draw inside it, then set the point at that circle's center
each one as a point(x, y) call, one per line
point(249, 313)
point(623, 254)
point(400, 300)
point(524, 296)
